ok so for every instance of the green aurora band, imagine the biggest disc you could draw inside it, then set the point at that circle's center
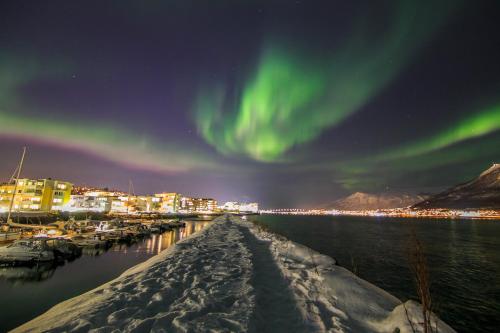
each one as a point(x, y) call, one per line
point(474, 138)
point(292, 98)
point(472, 126)
point(270, 105)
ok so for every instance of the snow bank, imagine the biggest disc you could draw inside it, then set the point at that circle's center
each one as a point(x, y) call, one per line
point(200, 284)
point(234, 277)
point(332, 299)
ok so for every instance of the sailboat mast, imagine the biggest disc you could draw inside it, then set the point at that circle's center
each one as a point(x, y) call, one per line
point(15, 184)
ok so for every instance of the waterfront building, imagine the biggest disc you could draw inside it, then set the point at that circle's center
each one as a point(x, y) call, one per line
point(169, 202)
point(121, 203)
point(205, 205)
point(231, 206)
point(198, 205)
point(89, 203)
point(96, 200)
point(124, 204)
point(251, 207)
point(147, 204)
point(186, 205)
point(36, 195)
point(240, 207)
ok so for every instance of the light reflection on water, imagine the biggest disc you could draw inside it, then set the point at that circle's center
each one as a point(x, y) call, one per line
point(26, 292)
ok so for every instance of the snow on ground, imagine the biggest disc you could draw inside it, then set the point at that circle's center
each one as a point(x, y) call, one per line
point(233, 277)
point(332, 299)
point(200, 284)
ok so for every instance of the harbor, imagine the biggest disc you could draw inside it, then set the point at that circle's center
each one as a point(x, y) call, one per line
point(30, 289)
point(30, 244)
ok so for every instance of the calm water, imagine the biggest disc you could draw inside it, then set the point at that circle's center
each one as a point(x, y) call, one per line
point(27, 292)
point(463, 258)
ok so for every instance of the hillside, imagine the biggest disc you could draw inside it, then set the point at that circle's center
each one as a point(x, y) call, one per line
point(366, 201)
point(480, 193)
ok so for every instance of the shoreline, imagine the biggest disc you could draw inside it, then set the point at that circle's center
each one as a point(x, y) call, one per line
point(328, 297)
point(375, 215)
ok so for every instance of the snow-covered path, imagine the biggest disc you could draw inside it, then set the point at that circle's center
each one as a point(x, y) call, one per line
point(276, 309)
point(233, 277)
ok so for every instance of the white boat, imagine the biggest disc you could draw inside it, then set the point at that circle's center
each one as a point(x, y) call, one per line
point(26, 251)
point(105, 226)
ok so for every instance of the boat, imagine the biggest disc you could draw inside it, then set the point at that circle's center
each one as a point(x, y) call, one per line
point(26, 251)
point(117, 236)
point(105, 226)
point(63, 248)
point(93, 241)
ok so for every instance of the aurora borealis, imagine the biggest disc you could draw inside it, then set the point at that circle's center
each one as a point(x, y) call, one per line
point(291, 98)
point(290, 103)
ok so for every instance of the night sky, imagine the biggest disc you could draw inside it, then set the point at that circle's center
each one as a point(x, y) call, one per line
point(288, 103)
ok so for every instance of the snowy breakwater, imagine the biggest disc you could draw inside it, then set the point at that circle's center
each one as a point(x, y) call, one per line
point(333, 299)
point(233, 277)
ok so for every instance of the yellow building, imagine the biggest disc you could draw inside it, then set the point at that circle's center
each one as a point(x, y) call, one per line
point(42, 195)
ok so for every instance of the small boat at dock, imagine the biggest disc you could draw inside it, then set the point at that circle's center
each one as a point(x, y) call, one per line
point(92, 241)
point(26, 251)
point(63, 248)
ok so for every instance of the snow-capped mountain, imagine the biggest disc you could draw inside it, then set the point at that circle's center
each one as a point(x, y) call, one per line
point(480, 193)
point(367, 201)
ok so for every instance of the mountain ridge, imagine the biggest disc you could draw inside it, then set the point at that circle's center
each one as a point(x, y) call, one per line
point(483, 192)
point(368, 201)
